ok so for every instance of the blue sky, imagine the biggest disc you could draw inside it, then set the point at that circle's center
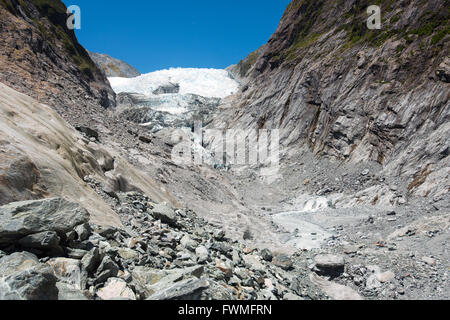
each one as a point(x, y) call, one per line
point(153, 35)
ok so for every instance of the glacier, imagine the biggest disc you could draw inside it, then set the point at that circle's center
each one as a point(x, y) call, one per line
point(209, 83)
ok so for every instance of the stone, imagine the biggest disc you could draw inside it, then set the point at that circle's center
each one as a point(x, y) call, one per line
point(149, 281)
point(254, 262)
point(83, 231)
point(22, 277)
point(429, 261)
point(372, 282)
point(350, 249)
point(90, 133)
point(202, 254)
point(69, 293)
point(91, 260)
point(219, 235)
point(189, 289)
point(20, 219)
point(115, 289)
point(127, 254)
point(108, 233)
point(188, 243)
point(222, 247)
point(385, 276)
point(282, 261)
point(334, 290)
point(67, 271)
point(329, 264)
point(165, 214)
point(109, 267)
point(43, 240)
point(267, 255)
point(292, 297)
point(225, 267)
point(75, 253)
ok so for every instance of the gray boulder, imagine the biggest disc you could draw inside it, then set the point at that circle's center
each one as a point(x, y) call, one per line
point(283, 261)
point(20, 219)
point(91, 260)
point(107, 269)
point(22, 277)
point(165, 214)
point(267, 255)
point(43, 240)
point(329, 264)
point(83, 231)
point(67, 292)
point(202, 254)
point(190, 289)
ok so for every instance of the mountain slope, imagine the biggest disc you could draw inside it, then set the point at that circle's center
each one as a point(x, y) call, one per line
point(114, 67)
point(342, 90)
point(42, 58)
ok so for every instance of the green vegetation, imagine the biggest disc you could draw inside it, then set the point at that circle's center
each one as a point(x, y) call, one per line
point(302, 43)
point(440, 35)
point(246, 64)
point(7, 5)
point(56, 32)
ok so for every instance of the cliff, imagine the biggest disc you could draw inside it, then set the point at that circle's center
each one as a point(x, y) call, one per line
point(354, 94)
point(42, 58)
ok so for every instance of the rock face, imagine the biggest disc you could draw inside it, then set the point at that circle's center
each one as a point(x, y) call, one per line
point(331, 84)
point(114, 67)
point(34, 36)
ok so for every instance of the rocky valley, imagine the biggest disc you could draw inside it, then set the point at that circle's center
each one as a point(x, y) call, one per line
point(355, 205)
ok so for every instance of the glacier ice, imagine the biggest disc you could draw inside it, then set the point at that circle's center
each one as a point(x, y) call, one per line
point(210, 83)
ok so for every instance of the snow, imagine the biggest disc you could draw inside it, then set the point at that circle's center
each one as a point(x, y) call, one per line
point(210, 83)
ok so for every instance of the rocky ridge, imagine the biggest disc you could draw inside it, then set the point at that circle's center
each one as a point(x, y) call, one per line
point(114, 67)
point(42, 58)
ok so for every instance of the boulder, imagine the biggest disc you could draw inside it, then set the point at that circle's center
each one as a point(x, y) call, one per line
point(91, 260)
point(282, 261)
point(329, 264)
point(67, 292)
point(20, 219)
point(165, 214)
point(127, 254)
point(266, 255)
point(334, 290)
point(188, 243)
point(149, 281)
point(91, 133)
point(83, 231)
point(67, 271)
point(43, 240)
point(116, 289)
point(22, 277)
point(254, 262)
point(202, 254)
point(107, 269)
point(189, 289)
